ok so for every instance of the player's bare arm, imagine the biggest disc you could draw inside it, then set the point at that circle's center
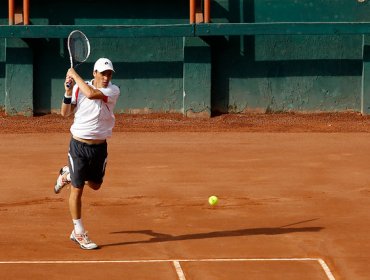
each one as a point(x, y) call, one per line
point(67, 108)
point(88, 91)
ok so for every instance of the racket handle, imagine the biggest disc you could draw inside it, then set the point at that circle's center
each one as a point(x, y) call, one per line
point(68, 84)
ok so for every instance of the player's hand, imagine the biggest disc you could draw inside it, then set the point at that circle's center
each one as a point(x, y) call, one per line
point(69, 83)
point(72, 73)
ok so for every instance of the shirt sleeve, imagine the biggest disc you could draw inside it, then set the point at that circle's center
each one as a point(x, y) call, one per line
point(110, 91)
point(75, 91)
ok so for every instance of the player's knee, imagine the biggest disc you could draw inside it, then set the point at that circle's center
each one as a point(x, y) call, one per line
point(94, 186)
point(76, 193)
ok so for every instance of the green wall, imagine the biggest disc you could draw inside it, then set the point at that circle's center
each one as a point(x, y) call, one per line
point(284, 72)
point(218, 75)
point(3, 20)
point(148, 70)
point(2, 73)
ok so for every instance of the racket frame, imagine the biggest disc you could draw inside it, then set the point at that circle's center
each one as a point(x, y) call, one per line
point(73, 65)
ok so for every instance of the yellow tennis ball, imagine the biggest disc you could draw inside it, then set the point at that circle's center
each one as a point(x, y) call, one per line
point(212, 200)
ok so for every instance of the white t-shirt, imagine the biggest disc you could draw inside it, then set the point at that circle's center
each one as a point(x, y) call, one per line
point(94, 118)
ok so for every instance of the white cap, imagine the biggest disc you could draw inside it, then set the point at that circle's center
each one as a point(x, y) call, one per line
point(103, 64)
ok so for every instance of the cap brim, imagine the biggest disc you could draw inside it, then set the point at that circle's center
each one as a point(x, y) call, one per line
point(105, 69)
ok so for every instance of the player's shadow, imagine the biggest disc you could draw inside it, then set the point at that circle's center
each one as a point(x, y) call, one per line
point(163, 237)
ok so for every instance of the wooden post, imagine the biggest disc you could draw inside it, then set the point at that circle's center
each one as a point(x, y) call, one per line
point(207, 11)
point(192, 11)
point(11, 12)
point(26, 12)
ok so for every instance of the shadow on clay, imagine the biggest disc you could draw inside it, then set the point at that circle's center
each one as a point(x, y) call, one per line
point(162, 237)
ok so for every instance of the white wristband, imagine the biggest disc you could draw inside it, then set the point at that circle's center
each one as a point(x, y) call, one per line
point(67, 96)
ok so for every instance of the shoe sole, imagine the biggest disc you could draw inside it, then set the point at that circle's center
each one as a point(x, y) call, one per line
point(57, 190)
point(81, 246)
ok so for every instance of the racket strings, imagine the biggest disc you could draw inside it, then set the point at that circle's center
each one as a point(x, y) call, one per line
point(79, 47)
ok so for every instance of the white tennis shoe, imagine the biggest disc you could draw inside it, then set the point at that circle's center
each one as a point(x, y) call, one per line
point(83, 240)
point(62, 180)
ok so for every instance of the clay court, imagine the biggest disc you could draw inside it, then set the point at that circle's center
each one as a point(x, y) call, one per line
point(294, 199)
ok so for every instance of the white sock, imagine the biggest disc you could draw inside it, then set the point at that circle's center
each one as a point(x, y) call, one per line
point(78, 226)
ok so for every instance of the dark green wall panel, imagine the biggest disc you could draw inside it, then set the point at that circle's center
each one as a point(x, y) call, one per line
point(281, 73)
point(18, 77)
point(2, 72)
point(197, 77)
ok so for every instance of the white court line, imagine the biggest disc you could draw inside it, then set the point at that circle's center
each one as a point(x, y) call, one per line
point(326, 268)
point(177, 265)
point(179, 271)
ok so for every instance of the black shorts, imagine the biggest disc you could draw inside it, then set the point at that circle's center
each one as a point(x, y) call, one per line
point(86, 162)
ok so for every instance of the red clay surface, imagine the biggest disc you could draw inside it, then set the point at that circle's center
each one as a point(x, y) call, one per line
point(285, 122)
point(290, 186)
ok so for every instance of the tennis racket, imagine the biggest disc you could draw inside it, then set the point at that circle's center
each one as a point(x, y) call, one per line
point(79, 49)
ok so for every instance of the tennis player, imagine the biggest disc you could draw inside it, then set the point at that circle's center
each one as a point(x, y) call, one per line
point(92, 103)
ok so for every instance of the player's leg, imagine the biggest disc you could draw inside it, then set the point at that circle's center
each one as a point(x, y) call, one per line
point(75, 203)
point(93, 185)
point(97, 166)
point(79, 234)
point(79, 165)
